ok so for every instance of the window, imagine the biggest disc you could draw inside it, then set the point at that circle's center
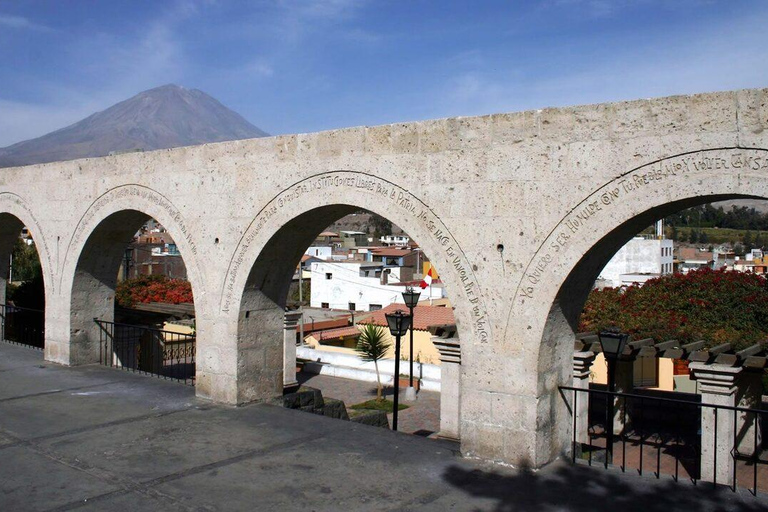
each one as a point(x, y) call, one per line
point(328, 275)
point(374, 307)
point(352, 306)
point(324, 305)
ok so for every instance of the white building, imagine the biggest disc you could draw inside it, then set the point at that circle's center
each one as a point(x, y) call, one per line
point(319, 251)
point(394, 240)
point(640, 256)
point(360, 286)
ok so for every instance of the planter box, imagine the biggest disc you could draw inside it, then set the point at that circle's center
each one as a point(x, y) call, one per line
point(406, 382)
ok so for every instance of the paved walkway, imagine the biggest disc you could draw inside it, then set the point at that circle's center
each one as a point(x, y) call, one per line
point(93, 438)
point(421, 418)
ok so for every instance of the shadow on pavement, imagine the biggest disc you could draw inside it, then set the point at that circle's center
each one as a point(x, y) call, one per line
point(579, 489)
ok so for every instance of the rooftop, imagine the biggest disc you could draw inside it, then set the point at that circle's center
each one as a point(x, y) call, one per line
point(424, 316)
point(385, 251)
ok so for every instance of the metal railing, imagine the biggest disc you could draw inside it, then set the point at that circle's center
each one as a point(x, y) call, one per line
point(22, 326)
point(166, 354)
point(668, 431)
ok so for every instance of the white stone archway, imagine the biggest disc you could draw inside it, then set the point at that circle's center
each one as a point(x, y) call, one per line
point(569, 259)
point(92, 259)
point(253, 296)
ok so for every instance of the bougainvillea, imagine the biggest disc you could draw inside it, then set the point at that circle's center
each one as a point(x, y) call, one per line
point(146, 289)
point(717, 306)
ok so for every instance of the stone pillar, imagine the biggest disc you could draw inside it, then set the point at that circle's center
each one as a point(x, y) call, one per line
point(292, 319)
point(450, 390)
point(749, 396)
point(718, 386)
point(578, 401)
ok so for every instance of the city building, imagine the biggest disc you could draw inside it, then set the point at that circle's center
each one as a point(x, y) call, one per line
point(362, 285)
point(351, 239)
point(394, 240)
point(691, 258)
point(640, 259)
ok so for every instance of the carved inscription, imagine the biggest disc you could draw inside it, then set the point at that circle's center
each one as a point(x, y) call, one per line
point(13, 199)
point(632, 184)
point(384, 191)
point(138, 192)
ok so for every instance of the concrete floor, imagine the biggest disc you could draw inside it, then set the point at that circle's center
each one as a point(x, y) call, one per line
point(422, 416)
point(92, 438)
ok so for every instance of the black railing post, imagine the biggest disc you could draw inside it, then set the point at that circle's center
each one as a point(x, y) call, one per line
point(735, 449)
point(682, 444)
point(575, 408)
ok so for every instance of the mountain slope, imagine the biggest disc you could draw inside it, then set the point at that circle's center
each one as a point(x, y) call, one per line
point(164, 117)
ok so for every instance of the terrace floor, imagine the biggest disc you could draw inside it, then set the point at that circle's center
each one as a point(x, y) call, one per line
point(94, 438)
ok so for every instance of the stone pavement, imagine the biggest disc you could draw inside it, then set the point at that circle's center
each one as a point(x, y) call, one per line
point(93, 438)
point(421, 418)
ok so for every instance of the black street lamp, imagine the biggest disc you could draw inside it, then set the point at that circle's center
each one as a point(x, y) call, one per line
point(613, 342)
point(398, 323)
point(411, 299)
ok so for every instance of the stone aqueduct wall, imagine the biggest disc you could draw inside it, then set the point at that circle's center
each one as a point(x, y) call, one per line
point(507, 206)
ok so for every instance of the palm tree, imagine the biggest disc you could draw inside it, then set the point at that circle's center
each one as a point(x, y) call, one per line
point(373, 346)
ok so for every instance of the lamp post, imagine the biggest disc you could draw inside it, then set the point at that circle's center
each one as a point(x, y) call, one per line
point(411, 299)
point(398, 323)
point(612, 341)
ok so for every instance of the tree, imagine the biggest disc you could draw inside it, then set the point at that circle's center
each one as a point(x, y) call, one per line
point(155, 288)
point(380, 225)
point(703, 238)
point(717, 306)
point(693, 236)
point(26, 263)
point(306, 292)
point(748, 240)
point(373, 346)
point(674, 233)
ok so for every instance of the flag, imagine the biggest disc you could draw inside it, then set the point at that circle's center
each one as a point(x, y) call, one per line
point(427, 281)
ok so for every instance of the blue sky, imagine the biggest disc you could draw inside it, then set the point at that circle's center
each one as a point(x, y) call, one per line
point(307, 65)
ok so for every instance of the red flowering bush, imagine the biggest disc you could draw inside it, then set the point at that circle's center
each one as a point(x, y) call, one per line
point(146, 289)
point(712, 305)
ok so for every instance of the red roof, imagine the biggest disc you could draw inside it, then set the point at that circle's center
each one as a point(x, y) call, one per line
point(424, 316)
point(341, 332)
point(414, 284)
point(691, 253)
point(324, 324)
point(390, 252)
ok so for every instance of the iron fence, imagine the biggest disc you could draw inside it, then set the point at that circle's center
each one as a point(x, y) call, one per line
point(166, 354)
point(664, 435)
point(22, 326)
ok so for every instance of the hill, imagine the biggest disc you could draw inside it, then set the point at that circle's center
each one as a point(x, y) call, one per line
point(164, 117)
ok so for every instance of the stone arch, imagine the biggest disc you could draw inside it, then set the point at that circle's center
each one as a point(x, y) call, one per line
point(557, 280)
point(257, 280)
point(94, 254)
point(15, 213)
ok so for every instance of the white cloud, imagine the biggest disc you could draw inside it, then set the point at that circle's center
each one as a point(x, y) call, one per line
point(22, 23)
point(259, 69)
point(692, 62)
